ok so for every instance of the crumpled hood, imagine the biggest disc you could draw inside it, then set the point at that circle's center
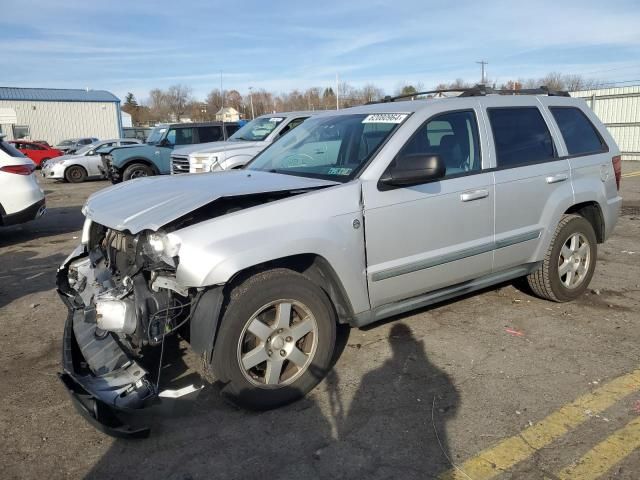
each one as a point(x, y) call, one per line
point(150, 203)
point(219, 147)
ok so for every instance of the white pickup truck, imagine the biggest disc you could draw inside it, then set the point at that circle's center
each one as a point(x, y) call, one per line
point(241, 147)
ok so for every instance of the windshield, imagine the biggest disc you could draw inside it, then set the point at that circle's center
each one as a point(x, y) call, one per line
point(258, 129)
point(85, 149)
point(334, 148)
point(156, 135)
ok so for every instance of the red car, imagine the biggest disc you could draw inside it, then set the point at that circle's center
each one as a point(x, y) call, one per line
point(36, 151)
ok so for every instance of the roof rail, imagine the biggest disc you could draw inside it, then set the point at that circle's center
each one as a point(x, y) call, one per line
point(479, 91)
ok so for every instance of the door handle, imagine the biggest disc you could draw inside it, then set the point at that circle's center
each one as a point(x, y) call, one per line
point(474, 195)
point(561, 177)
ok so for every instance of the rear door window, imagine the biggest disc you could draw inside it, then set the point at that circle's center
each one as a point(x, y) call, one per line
point(10, 150)
point(211, 133)
point(579, 134)
point(521, 136)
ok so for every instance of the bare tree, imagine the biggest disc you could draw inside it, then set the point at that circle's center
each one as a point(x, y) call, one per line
point(178, 97)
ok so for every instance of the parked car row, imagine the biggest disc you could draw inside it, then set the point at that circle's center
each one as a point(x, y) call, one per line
point(351, 217)
point(85, 163)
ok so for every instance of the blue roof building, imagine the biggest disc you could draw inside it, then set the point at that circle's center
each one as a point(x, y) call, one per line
point(55, 114)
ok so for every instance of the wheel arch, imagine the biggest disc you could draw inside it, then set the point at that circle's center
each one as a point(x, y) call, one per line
point(64, 174)
point(315, 268)
point(143, 160)
point(592, 212)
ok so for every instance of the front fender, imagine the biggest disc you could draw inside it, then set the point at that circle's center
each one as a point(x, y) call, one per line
point(236, 161)
point(319, 223)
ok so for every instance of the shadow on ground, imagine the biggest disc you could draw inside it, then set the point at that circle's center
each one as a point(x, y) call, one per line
point(56, 221)
point(394, 426)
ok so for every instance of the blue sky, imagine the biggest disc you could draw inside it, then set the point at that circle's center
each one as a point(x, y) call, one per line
point(278, 45)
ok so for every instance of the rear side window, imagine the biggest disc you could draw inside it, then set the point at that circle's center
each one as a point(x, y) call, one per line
point(579, 134)
point(520, 135)
point(10, 150)
point(209, 134)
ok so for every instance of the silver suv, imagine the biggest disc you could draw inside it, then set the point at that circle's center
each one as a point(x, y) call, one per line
point(355, 216)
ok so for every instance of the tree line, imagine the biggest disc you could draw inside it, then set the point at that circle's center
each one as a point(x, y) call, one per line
point(178, 103)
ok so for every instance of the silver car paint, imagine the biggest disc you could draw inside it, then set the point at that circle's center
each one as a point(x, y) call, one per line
point(404, 228)
point(150, 203)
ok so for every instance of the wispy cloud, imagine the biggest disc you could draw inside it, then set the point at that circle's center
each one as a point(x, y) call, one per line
point(135, 46)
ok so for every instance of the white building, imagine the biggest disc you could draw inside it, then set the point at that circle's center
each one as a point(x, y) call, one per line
point(227, 114)
point(57, 114)
point(619, 109)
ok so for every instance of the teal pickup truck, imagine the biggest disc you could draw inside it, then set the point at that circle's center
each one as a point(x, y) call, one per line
point(154, 157)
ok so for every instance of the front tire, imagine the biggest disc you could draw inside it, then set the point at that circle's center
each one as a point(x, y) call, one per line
point(569, 263)
point(75, 174)
point(137, 170)
point(276, 340)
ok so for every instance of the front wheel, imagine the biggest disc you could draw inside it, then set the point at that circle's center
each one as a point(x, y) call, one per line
point(276, 340)
point(569, 263)
point(137, 170)
point(75, 174)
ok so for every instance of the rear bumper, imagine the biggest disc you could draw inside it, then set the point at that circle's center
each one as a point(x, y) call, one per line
point(32, 212)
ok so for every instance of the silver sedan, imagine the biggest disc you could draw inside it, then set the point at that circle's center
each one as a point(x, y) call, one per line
point(83, 164)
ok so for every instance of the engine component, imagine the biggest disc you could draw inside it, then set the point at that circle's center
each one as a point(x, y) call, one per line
point(115, 315)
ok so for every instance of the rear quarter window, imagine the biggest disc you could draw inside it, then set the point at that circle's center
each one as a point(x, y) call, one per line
point(521, 136)
point(580, 135)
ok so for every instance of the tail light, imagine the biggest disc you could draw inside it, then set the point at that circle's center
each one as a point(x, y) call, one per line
point(19, 169)
point(617, 169)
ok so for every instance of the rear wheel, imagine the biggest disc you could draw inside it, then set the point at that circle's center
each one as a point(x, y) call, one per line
point(276, 340)
point(569, 263)
point(75, 174)
point(137, 170)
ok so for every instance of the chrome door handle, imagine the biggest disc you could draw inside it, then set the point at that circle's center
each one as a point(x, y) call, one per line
point(561, 177)
point(475, 195)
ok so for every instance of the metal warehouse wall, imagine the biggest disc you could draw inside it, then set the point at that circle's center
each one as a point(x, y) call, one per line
point(56, 121)
point(619, 109)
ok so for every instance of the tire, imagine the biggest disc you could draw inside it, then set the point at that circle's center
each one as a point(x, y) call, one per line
point(261, 298)
point(137, 170)
point(75, 174)
point(577, 259)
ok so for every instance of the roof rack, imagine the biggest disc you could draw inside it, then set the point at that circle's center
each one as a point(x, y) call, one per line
point(480, 91)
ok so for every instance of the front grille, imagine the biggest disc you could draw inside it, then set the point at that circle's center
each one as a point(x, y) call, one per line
point(179, 165)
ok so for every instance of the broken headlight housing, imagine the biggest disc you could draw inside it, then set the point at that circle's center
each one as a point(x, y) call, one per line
point(161, 247)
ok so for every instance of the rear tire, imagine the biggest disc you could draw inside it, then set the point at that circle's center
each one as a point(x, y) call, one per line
point(569, 263)
point(276, 340)
point(137, 170)
point(75, 174)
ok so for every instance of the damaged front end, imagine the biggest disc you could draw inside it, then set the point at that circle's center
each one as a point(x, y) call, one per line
point(123, 301)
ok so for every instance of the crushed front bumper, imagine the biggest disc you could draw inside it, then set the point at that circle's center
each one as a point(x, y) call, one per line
point(112, 391)
point(116, 402)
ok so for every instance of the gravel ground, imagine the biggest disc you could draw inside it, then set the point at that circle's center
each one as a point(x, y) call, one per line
point(406, 396)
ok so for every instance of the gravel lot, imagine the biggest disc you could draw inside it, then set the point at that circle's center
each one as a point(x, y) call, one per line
point(447, 381)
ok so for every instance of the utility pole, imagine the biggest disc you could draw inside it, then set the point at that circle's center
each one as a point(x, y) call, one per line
point(253, 115)
point(222, 95)
point(337, 92)
point(482, 63)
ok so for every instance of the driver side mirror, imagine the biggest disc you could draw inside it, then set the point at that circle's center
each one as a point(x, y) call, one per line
point(165, 143)
point(414, 169)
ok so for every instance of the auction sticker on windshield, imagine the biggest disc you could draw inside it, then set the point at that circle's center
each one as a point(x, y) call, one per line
point(276, 119)
point(385, 118)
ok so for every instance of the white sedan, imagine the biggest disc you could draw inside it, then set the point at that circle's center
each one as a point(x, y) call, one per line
point(21, 198)
point(83, 164)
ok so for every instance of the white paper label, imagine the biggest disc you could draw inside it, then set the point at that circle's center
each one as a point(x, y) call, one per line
point(385, 118)
point(276, 119)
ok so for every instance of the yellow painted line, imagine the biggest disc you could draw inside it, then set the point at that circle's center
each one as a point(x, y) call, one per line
point(511, 451)
point(631, 174)
point(597, 461)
